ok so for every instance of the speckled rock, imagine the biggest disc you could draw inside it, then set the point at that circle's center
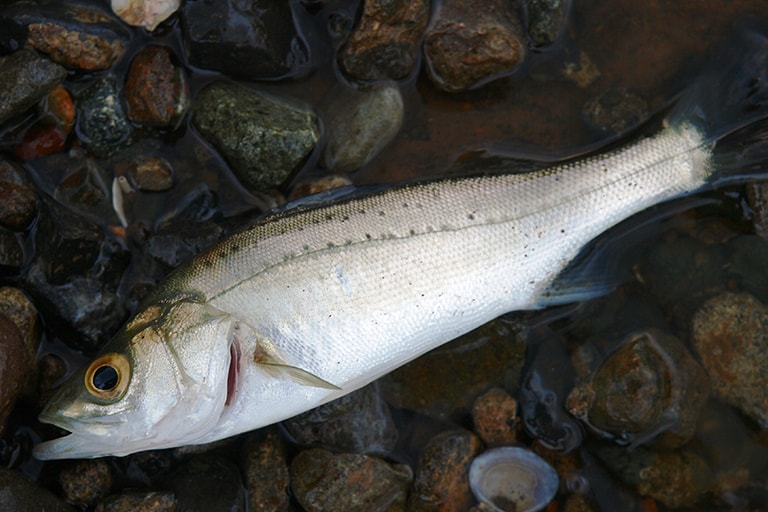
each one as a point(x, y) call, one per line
point(18, 201)
point(730, 336)
point(16, 307)
point(359, 422)
point(441, 482)
point(25, 78)
point(384, 44)
point(15, 365)
point(649, 388)
point(139, 501)
point(20, 494)
point(206, 483)
point(255, 39)
point(263, 137)
point(322, 481)
point(145, 13)
point(156, 89)
point(265, 467)
point(151, 174)
point(11, 254)
point(494, 415)
point(445, 382)
point(86, 481)
point(675, 478)
point(102, 121)
point(75, 34)
point(468, 44)
point(615, 111)
point(546, 20)
point(361, 125)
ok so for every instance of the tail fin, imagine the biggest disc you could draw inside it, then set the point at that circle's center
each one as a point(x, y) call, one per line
point(729, 105)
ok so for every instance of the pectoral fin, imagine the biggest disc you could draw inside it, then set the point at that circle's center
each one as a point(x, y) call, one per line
point(298, 375)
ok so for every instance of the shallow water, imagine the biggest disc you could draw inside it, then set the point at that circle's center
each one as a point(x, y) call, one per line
point(652, 49)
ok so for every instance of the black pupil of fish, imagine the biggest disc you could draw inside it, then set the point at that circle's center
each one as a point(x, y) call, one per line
point(105, 378)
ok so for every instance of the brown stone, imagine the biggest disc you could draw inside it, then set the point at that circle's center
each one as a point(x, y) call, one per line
point(494, 414)
point(156, 89)
point(14, 366)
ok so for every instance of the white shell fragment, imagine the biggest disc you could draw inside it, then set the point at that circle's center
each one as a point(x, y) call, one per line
point(145, 13)
point(512, 478)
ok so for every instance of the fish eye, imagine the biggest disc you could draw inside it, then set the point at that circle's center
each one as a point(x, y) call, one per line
point(107, 377)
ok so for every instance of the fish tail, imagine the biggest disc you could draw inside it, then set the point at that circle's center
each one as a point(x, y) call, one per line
point(729, 107)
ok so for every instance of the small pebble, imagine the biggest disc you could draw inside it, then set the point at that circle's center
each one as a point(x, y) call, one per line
point(139, 502)
point(86, 481)
point(145, 13)
point(615, 111)
point(494, 415)
point(25, 78)
point(265, 467)
point(441, 482)
point(152, 174)
point(156, 89)
point(20, 494)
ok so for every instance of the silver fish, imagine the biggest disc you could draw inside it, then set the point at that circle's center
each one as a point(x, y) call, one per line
point(312, 303)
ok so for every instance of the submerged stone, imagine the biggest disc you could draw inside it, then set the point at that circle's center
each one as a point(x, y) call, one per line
point(263, 137)
point(78, 35)
point(469, 44)
point(156, 89)
point(730, 336)
point(384, 43)
point(25, 78)
point(321, 480)
point(255, 39)
point(103, 123)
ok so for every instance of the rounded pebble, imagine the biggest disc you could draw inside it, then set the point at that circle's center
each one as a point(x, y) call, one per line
point(494, 415)
point(86, 481)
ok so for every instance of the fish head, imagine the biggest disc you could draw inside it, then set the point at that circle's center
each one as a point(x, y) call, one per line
point(161, 381)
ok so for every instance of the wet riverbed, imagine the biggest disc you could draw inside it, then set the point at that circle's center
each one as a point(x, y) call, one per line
point(649, 398)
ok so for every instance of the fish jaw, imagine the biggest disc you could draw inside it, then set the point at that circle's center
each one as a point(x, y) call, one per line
point(179, 360)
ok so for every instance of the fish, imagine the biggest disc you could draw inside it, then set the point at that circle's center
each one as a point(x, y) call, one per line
point(313, 302)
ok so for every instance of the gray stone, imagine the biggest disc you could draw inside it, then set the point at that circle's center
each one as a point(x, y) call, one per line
point(103, 123)
point(263, 137)
point(361, 126)
point(25, 78)
point(546, 20)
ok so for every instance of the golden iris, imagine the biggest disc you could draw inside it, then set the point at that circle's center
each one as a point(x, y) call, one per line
point(108, 376)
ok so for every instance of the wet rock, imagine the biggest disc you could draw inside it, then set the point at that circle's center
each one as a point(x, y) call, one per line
point(61, 108)
point(102, 121)
point(384, 44)
point(151, 174)
point(145, 13)
point(730, 336)
point(11, 253)
point(139, 501)
point(442, 482)
point(74, 277)
point(546, 20)
point(17, 206)
point(494, 415)
point(86, 481)
point(321, 480)
point(19, 494)
point(25, 78)
point(15, 365)
point(16, 307)
point(359, 422)
point(647, 388)
point(467, 46)
point(208, 483)
point(156, 89)
point(77, 35)
point(51, 369)
point(252, 40)
point(444, 382)
point(615, 111)
point(266, 471)
point(361, 125)
point(83, 188)
point(675, 478)
point(177, 242)
point(263, 137)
